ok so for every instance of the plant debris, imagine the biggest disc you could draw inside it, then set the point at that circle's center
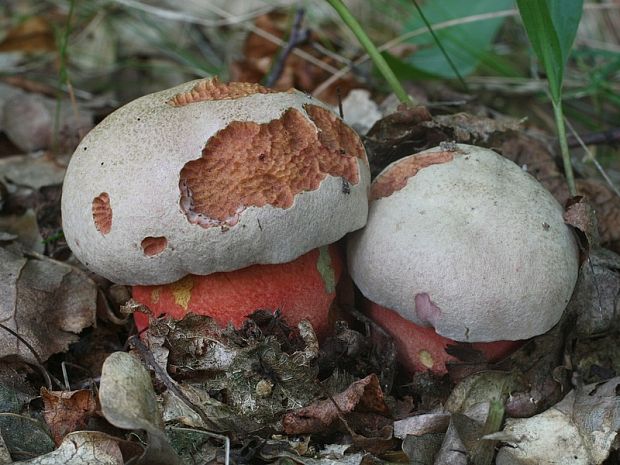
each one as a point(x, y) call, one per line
point(46, 302)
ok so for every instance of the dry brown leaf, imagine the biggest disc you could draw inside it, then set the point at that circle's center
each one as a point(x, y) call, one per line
point(596, 299)
point(67, 411)
point(128, 401)
point(261, 370)
point(32, 172)
point(419, 425)
point(364, 396)
point(259, 54)
point(581, 216)
point(35, 34)
point(44, 301)
point(31, 123)
point(87, 447)
point(581, 429)
point(607, 206)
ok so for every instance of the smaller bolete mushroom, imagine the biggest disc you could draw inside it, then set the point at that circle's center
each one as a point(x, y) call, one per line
point(462, 245)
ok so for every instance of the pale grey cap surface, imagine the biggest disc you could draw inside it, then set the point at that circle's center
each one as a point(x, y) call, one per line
point(478, 237)
point(129, 167)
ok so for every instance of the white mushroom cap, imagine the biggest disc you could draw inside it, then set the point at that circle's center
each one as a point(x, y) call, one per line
point(209, 177)
point(467, 242)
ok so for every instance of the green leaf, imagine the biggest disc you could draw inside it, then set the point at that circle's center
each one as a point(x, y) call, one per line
point(551, 26)
point(466, 44)
point(566, 15)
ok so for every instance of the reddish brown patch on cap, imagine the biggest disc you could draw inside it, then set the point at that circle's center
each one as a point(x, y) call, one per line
point(102, 213)
point(396, 177)
point(153, 245)
point(213, 89)
point(334, 134)
point(249, 164)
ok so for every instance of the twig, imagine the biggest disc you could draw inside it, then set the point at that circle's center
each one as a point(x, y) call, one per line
point(63, 367)
point(230, 19)
point(609, 137)
point(592, 158)
point(39, 364)
point(295, 38)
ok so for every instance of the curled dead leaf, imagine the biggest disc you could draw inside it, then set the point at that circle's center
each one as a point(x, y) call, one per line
point(45, 301)
point(364, 396)
point(67, 411)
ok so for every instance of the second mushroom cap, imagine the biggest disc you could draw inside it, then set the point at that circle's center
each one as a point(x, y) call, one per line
point(466, 242)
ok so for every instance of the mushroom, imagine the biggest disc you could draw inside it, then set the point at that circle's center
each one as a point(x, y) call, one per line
point(209, 177)
point(462, 245)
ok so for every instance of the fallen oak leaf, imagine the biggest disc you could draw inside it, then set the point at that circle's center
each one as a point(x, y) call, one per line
point(581, 215)
point(595, 303)
point(581, 429)
point(67, 411)
point(420, 425)
point(128, 401)
point(84, 447)
point(45, 301)
point(364, 396)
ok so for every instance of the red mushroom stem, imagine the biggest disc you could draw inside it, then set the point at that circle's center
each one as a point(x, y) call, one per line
point(302, 289)
point(422, 349)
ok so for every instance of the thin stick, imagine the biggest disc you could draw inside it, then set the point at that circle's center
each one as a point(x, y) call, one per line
point(592, 158)
point(295, 38)
point(609, 137)
point(230, 18)
point(172, 386)
point(39, 364)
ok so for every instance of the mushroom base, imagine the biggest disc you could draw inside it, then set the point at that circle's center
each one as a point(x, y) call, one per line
point(302, 289)
point(422, 349)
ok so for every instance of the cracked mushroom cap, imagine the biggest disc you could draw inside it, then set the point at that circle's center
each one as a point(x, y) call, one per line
point(208, 177)
point(467, 242)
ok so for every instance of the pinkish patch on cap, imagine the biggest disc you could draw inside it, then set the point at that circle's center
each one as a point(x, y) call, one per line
point(426, 310)
point(249, 164)
point(102, 213)
point(153, 245)
point(213, 89)
point(397, 176)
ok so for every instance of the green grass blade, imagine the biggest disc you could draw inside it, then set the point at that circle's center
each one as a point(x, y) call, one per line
point(551, 26)
point(566, 15)
point(371, 49)
point(536, 18)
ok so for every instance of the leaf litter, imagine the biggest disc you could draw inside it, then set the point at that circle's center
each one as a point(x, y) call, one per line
point(276, 396)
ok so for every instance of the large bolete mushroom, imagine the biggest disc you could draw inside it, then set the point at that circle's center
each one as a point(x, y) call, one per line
point(462, 245)
point(209, 177)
